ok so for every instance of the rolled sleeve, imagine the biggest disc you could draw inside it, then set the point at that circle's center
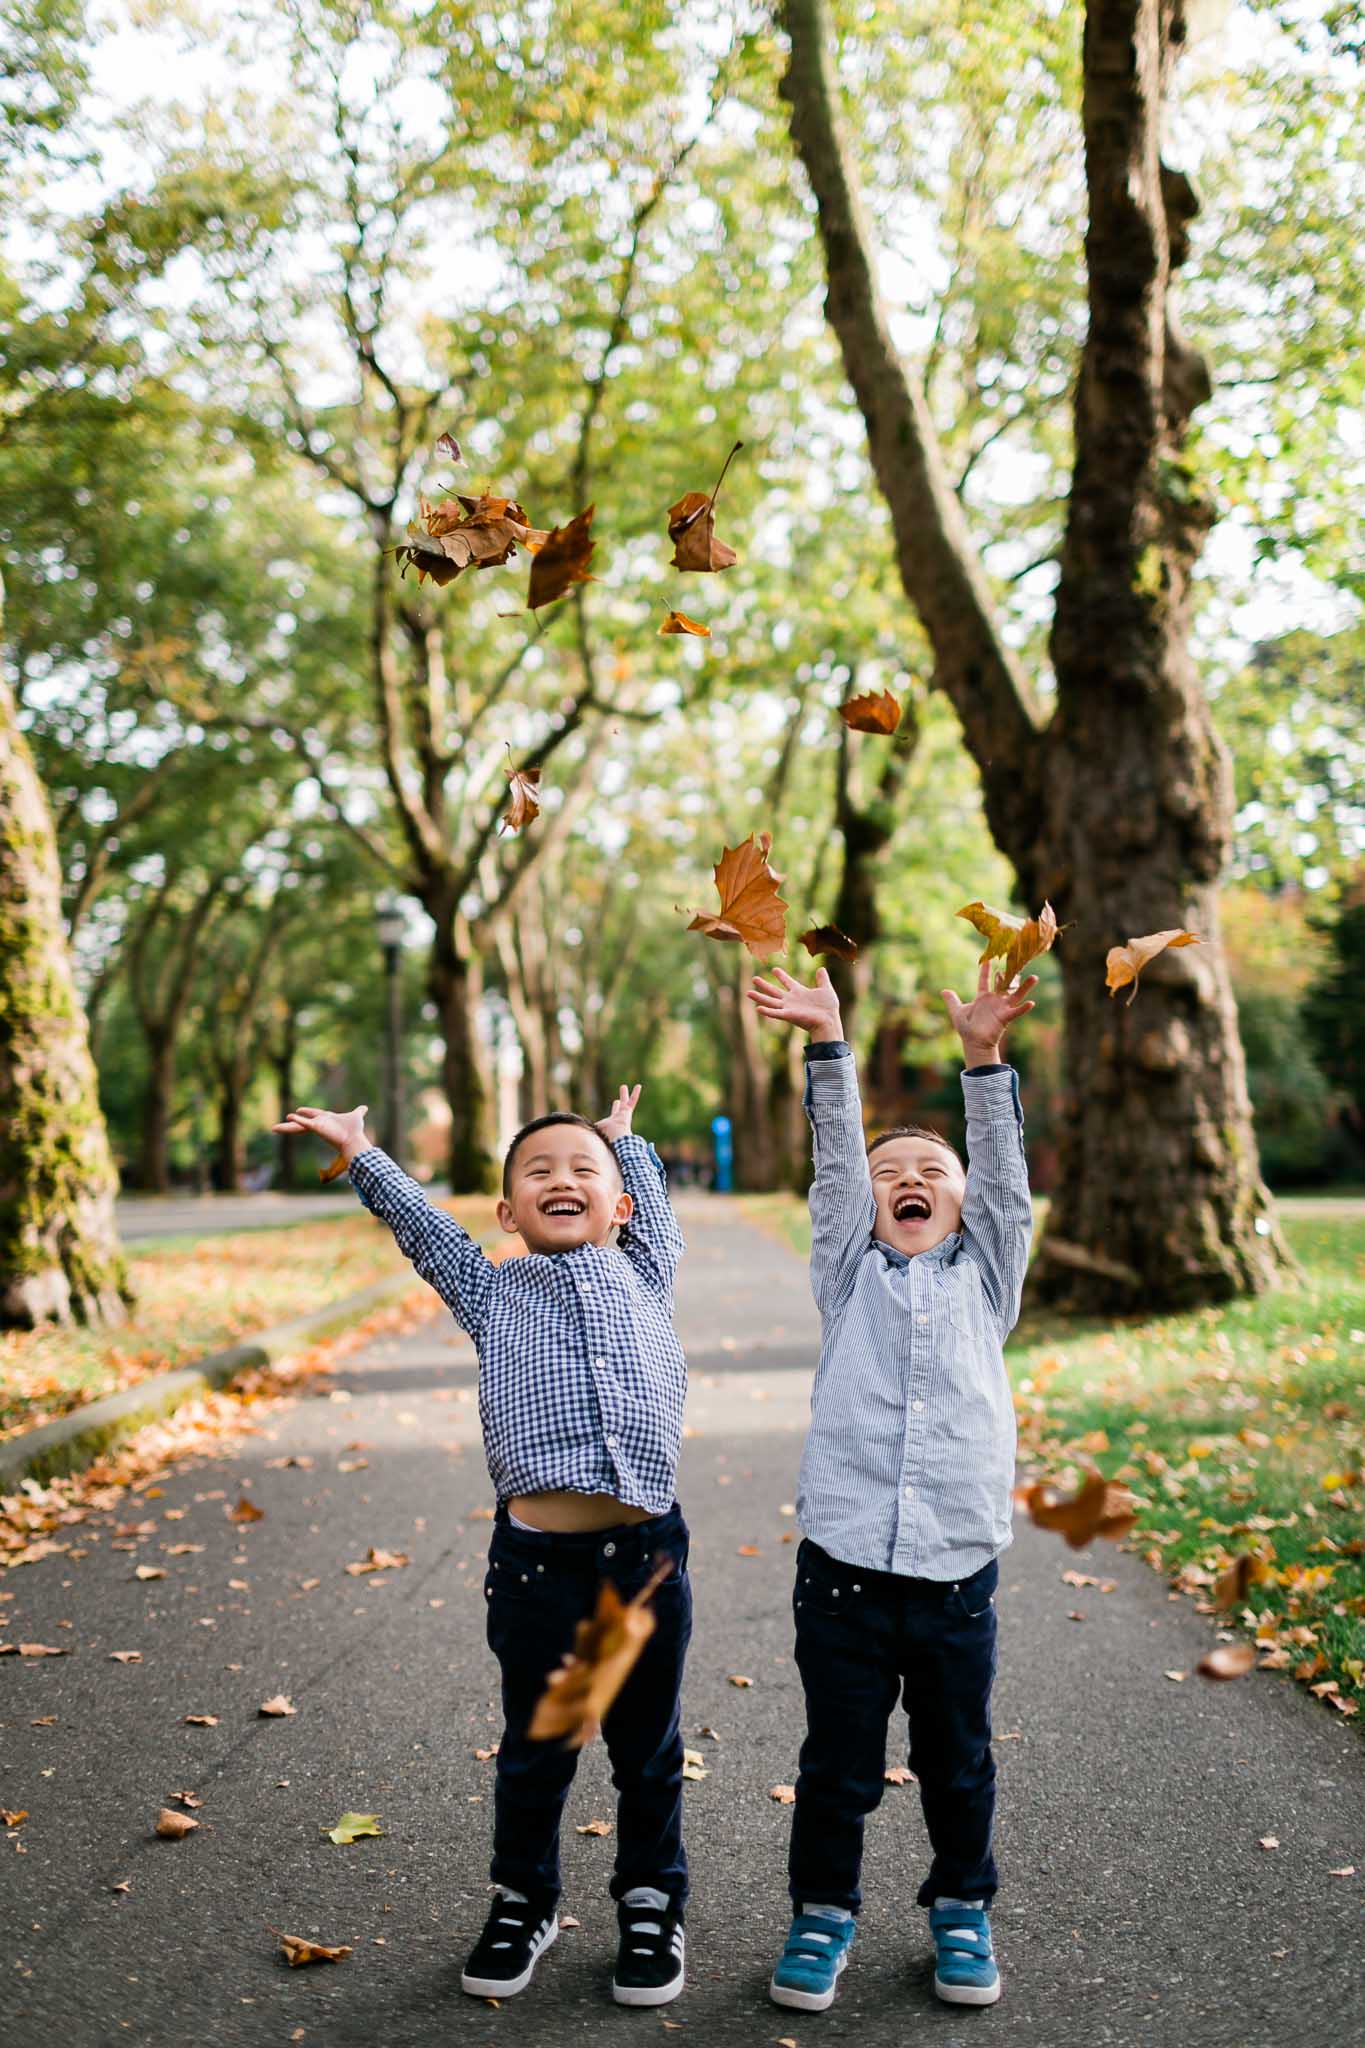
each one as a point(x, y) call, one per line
point(997, 1215)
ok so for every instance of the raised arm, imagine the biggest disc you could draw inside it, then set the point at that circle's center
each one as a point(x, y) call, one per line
point(651, 1240)
point(441, 1250)
point(842, 1208)
point(997, 1215)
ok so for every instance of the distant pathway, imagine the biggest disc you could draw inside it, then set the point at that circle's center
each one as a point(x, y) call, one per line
point(1137, 1905)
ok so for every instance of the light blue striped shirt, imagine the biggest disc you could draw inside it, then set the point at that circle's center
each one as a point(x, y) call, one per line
point(909, 1464)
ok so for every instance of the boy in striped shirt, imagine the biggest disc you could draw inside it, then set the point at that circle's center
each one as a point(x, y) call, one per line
point(906, 1484)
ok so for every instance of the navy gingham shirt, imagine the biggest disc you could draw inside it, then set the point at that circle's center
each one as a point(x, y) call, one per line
point(581, 1375)
point(909, 1465)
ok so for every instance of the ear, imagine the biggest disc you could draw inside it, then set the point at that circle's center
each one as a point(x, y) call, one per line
point(506, 1218)
point(625, 1208)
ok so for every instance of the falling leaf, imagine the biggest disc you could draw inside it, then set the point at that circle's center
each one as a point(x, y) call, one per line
point(1098, 1509)
point(899, 1774)
point(448, 445)
point(606, 1646)
point(751, 909)
point(246, 1510)
point(300, 1951)
point(692, 528)
point(174, 1826)
point(125, 1656)
point(785, 1795)
point(875, 711)
point(463, 532)
point(827, 938)
point(736, 1679)
point(594, 1827)
point(352, 1826)
point(378, 1561)
point(1236, 1583)
point(201, 1720)
point(1270, 1841)
point(278, 1707)
point(678, 622)
point(561, 560)
point(523, 785)
point(1015, 940)
point(1123, 964)
point(1228, 1660)
point(149, 1571)
point(11, 1818)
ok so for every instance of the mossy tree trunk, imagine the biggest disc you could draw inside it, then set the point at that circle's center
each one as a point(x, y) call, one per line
point(59, 1251)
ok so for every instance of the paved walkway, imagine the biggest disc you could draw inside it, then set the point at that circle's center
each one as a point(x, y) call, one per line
point(1137, 1905)
point(143, 1216)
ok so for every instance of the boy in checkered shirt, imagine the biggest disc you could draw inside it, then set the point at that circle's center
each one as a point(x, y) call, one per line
point(581, 1386)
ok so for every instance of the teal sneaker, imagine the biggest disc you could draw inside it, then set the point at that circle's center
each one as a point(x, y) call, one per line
point(964, 1967)
point(817, 1950)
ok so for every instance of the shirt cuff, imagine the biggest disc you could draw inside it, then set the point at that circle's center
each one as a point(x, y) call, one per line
point(829, 1049)
point(996, 1067)
point(991, 1095)
point(638, 1149)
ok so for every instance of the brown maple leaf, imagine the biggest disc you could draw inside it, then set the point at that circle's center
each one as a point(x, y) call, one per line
point(1234, 1587)
point(463, 532)
point(875, 711)
point(277, 1707)
point(300, 1951)
point(378, 1561)
point(561, 560)
point(245, 1510)
point(678, 622)
point(1015, 940)
point(1097, 1509)
point(606, 1646)
point(827, 938)
point(692, 528)
point(523, 788)
point(175, 1826)
point(1123, 964)
point(785, 1795)
point(751, 910)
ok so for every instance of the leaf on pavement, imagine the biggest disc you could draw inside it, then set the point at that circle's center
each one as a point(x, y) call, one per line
point(300, 1951)
point(1176, 1677)
point(174, 1826)
point(606, 1646)
point(748, 1550)
point(594, 1827)
point(784, 1795)
point(277, 1707)
point(1123, 964)
point(874, 711)
point(678, 622)
point(1099, 1508)
point(1346, 1870)
point(188, 1798)
point(1228, 1660)
point(561, 560)
point(1270, 1841)
point(125, 1656)
point(352, 1826)
point(751, 909)
point(523, 787)
point(693, 1768)
point(36, 1650)
point(692, 528)
point(378, 1561)
point(149, 1571)
point(201, 1720)
point(485, 1756)
point(1015, 940)
point(245, 1510)
point(737, 1679)
point(13, 1817)
point(899, 1774)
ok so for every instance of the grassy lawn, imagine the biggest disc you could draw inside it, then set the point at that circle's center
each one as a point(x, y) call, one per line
point(199, 1296)
point(1240, 1431)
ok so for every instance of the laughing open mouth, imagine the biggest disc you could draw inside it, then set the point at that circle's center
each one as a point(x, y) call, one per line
point(564, 1205)
point(911, 1208)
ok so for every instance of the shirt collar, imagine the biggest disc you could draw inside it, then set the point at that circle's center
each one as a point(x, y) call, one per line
point(935, 1255)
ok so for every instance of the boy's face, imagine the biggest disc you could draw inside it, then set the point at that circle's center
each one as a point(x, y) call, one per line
point(565, 1190)
point(918, 1187)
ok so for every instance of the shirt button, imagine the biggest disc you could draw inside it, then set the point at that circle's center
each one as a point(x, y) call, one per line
point(600, 1364)
point(917, 1406)
point(921, 1319)
point(611, 1443)
point(909, 1493)
point(608, 1550)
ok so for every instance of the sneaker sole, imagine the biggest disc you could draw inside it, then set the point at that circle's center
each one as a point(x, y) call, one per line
point(508, 1987)
point(967, 1994)
point(652, 1994)
point(807, 2001)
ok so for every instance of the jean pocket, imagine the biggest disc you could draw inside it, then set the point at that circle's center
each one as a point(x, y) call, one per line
point(973, 1598)
point(825, 1588)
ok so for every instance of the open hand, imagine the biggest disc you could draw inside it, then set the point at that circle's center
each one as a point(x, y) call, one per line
point(788, 1001)
point(343, 1129)
point(982, 1023)
point(616, 1123)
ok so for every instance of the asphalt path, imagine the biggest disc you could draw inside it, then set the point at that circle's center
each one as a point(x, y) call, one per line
point(139, 1217)
point(1137, 1904)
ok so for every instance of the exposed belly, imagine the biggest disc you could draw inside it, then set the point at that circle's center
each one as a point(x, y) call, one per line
point(567, 1514)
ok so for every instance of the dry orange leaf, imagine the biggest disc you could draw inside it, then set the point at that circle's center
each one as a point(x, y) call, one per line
point(874, 711)
point(12, 1818)
point(246, 1510)
point(523, 787)
point(300, 1951)
point(378, 1561)
point(899, 1774)
point(594, 1827)
point(33, 1650)
point(785, 1795)
point(678, 622)
point(1228, 1660)
point(1015, 940)
point(277, 1707)
point(827, 938)
point(201, 1720)
point(125, 1656)
point(1123, 964)
point(692, 528)
point(561, 560)
point(1098, 1509)
point(461, 533)
point(149, 1571)
point(748, 1550)
point(1236, 1583)
point(607, 1644)
point(751, 909)
point(174, 1826)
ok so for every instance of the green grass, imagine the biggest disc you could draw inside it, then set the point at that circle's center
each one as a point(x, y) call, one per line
point(1229, 1426)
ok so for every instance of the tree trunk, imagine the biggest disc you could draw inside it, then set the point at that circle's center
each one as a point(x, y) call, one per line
point(455, 985)
point(866, 832)
point(229, 1158)
point(154, 1168)
point(1119, 811)
point(285, 1059)
point(59, 1251)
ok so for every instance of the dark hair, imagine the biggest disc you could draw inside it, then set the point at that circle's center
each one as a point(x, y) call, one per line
point(540, 1123)
point(915, 1131)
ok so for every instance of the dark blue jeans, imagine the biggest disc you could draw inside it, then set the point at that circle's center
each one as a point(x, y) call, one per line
point(862, 1638)
point(537, 1588)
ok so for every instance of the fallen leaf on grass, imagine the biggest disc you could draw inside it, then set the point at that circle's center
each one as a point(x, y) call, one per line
point(277, 1707)
point(1097, 1509)
point(352, 1826)
point(606, 1646)
point(692, 528)
point(899, 1774)
point(678, 622)
point(785, 1795)
point(1350, 1708)
point(1233, 1588)
point(752, 910)
point(300, 1951)
point(594, 1827)
point(174, 1826)
point(1123, 964)
point(245, 1510)
point(736, 1679)
point(1229, 1660)
point(201, 1720)
point(523, 788)
point(1015, 940)
point(561, 560)
point(125, 1656)
point(827, 938)
point(378, 1561)
point(875, 711)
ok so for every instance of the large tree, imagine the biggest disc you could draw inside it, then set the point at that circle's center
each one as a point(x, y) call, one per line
point(1115, 802)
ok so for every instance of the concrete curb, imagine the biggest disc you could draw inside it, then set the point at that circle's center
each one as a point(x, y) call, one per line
point(73, 1440)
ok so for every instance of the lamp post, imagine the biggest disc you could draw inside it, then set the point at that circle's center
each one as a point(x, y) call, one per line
point(391, 925)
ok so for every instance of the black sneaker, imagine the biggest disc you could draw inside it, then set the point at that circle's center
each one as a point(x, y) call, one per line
point(503, 1959)
point(649, 1961)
